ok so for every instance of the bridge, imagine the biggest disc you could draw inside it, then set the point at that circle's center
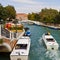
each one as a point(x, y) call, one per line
point(8, 41)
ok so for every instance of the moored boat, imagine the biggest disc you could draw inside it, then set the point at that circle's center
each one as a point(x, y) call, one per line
point(27, 33)
point(50, 42)
point(21, 50)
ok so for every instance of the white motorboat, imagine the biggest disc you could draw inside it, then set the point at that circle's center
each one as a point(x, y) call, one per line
point(21, 50)
point(50, 42)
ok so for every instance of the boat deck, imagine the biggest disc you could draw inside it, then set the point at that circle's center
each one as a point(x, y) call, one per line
point(22, 47)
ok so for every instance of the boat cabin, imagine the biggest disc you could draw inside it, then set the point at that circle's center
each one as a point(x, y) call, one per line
point(50, 39)
point(21, 50)
point(50, 42)
point(21, 46)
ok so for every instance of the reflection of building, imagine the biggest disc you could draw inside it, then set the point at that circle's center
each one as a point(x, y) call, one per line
point(21, 16)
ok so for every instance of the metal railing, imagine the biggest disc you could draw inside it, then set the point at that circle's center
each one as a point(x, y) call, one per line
point(5, 32)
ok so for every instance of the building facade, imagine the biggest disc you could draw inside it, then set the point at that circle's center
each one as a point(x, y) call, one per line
point(21, 16)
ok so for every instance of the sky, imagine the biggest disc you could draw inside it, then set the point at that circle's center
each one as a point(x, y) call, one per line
point(29, 6)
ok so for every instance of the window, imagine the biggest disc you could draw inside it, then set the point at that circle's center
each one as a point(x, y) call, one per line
point(50, 39)
point(21, 46)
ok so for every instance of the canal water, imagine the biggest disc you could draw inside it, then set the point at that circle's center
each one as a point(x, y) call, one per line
point(37, 49)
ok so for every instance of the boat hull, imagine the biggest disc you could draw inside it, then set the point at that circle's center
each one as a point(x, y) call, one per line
point(21, 50)
point(51, 47)
point(19, 57)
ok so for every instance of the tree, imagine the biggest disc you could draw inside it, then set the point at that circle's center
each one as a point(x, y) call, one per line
point(1, 10)
point(11, 12)
point(33, 16)
point(7, 12)
point(29, 16)
point(37, 17)
point(4, 14)
point(48, 15)
point(57, 19)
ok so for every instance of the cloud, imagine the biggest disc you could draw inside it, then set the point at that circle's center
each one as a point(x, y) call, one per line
point(29, 6)
point(33, 8)
point(26, 1)
point(28, 9)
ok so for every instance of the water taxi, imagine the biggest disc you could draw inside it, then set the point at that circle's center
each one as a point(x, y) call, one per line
point(50, 42)
point(21, 50)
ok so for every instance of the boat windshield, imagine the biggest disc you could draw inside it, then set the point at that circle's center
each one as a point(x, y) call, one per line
point(50, 39)
point(21, 46)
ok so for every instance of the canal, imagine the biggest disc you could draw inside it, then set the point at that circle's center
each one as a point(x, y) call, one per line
point(37, 49)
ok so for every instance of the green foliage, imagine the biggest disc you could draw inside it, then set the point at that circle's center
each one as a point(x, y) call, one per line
point(46, 16)
point(29, 16)
point(33, 16)
point(7, 12)
point(11, 12)
point(1, 11)
point(4, 14)
point(57, 19)
point(37, 17)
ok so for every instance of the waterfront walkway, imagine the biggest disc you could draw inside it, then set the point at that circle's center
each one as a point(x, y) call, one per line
point(42, 24)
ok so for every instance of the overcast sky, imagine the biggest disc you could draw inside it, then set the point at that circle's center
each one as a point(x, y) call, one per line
point(28, 6)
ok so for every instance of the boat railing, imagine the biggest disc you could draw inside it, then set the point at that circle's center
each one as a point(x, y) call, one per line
point(5, 32)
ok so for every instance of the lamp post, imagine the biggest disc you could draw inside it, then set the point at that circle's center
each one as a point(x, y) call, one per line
point(0, 31)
